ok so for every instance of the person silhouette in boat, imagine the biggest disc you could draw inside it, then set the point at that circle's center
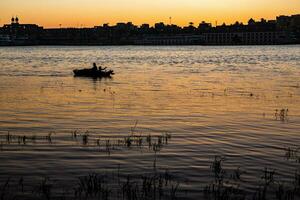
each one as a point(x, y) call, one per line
point(95, 68)
point(102, 69)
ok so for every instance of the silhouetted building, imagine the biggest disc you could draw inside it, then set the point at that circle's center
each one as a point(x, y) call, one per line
point(262, 32)
point(170, 40)
point(21, 34)
point(203, 26)
point(283, 30)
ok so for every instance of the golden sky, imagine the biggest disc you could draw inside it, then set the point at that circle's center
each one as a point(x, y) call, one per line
point(88, 13)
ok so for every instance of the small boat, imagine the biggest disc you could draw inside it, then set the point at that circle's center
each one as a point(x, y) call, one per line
point(94, 72)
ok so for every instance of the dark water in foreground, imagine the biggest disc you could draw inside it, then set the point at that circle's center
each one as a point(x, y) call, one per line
point(212, 101)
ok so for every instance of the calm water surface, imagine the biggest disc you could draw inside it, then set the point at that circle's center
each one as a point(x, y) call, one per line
point(212, 100)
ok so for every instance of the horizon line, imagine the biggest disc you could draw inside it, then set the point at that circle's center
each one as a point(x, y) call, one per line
point(215, 24)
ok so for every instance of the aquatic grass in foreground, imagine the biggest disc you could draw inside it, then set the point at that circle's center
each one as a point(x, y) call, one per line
point(155, 185)
point(282, 114)
point(227, 185)
point(101, 143)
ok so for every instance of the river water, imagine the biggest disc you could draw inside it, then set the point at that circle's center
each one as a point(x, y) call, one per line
point(211, 101)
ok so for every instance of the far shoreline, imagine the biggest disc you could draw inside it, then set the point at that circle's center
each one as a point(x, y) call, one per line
point(143, 45)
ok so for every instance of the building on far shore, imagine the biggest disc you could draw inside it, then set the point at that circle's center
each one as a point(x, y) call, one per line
point(170, 40)
point(20, 34)
point(5, 39)
point(255, 33)
point(282, 30)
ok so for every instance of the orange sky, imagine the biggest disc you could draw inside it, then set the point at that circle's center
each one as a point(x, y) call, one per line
point(88, 13)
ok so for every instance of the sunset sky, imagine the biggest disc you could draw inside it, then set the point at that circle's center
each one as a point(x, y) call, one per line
point(88, 13)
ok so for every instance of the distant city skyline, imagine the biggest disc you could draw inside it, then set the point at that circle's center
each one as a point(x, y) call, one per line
point(89, 13)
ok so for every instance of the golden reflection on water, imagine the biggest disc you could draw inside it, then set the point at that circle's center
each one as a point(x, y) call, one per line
point(189, 100)
point(209, 112)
